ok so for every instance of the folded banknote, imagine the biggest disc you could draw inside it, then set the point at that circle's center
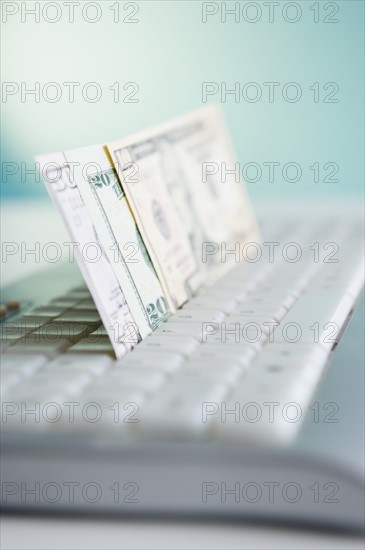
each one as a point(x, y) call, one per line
point(155, 202)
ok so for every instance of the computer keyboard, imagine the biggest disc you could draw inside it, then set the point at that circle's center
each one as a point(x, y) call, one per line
point(252, 345)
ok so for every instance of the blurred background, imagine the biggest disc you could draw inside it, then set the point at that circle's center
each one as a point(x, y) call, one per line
point(102, 70)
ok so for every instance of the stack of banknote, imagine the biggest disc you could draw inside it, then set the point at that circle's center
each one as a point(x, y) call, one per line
point(149, 214)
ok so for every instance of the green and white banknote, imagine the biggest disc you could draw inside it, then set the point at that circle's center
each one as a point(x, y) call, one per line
point(179, 180)
point(99, 276)
point(139, 164)
point(168, 210)
point(107, 205)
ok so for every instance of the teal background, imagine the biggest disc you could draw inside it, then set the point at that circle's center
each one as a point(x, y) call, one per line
point(169, 53)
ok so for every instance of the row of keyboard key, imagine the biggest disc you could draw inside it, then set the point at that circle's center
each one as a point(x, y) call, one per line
point(175, 385)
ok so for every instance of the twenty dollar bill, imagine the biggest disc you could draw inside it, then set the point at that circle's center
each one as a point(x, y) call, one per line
point(99, 276)
point(108, 207)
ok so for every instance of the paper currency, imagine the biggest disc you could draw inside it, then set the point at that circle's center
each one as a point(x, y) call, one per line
point(99, 276)
point(220, 210)
point(139, 165)
point(156, 202)
point(172, 177)
point(108, 207)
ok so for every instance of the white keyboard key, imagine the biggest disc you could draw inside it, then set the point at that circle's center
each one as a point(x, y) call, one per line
point(239, 354)
point(249, 309)
point(251, 326)
point(184, 345)
point(262, 300)
point(326, 321)
point(28, 409)
point(100, 411)
point(246, 275)
point(292, 354)
point(346, 276)
point(236, 292)
point(27, 364)
point(106, 396)
point(147, 380)
point(226, 294)
point(177, 413)
point(223, 372)
point(236, 333)
point(187, 315)
point(181, 329)
point(203, 302)
point(71, 384)
point(94, 364)
point(167, 362)
point(272, 295)
point(294, 282)
point(297, 359)
point(272, 401)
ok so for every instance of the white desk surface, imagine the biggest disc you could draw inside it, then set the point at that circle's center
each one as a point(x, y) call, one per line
point(38, 533)
point(24, 532)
